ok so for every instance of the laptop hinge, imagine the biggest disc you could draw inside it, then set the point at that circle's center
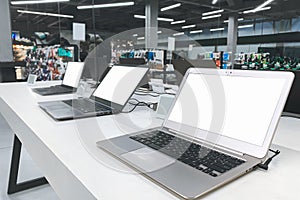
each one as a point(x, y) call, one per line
point(206, 143)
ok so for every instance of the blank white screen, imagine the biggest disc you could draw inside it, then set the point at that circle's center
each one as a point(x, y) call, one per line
point(73, 74)
point(119, 84)
point(249, 104)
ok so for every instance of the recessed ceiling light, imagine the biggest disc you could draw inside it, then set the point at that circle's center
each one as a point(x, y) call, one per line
point(178, 22)
point(159, 18)
point(165, 19)
point(255, 11)
point(171, 7)
point(212, 12)
point(214, 2)
point(178, 34)
point(246, 26)
point(217, 29)
point(36, 2)
point(239, 19)
point(196, 31)
point(108, 5)
point(44, 13)
point(212, 16)
point(263, 5)
point(189, 26)
point(140, 38)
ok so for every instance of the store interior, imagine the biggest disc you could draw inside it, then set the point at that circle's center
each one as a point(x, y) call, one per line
point(169, 36)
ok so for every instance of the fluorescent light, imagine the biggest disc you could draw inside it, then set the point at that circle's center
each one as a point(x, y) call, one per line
point(217, 29)
point(36, 2)
point(108, 5)
point(159, 18)
point(159, 32)
point(254, 11)
point(44, 13)
point(212, 16)
point(263, 5)
point(140, 38)
point(178, 22)
point(197, 31)
point(189, 26)
point(214, 2)
point(139, 16)
point(171, 7)
point(178, 34)
point(135, 35)
point(246, 26)
point(212, 12)
point(165, 19)
point(239, 19)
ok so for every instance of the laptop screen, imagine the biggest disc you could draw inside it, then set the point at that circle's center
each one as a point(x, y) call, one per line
point(73, 74)
point(237, 107)
point(119, 84)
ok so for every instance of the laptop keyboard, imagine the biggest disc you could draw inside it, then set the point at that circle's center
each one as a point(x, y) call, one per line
point(87, 106)
point(57, 89)
point(199, 157)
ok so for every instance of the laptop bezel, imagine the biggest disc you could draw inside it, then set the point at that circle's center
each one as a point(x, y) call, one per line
point(226, 142)
point(115, 106)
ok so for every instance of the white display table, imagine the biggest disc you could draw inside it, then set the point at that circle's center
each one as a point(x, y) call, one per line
point(76, 169)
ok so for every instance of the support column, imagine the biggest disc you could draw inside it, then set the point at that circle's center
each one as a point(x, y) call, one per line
point(232, 37)
point(7, 71)
point(5, 33)
point(151, 23)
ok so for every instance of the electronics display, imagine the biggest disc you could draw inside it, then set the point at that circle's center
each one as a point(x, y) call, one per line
point(238, 117)
point(118, 91)
point(73, 74)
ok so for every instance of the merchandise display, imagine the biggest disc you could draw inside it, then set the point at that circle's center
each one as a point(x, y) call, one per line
point(263, 61)
point(48, 63)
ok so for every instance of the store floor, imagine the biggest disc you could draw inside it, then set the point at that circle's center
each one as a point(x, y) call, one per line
point(28, 170)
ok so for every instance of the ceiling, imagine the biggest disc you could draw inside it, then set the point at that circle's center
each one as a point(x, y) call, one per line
point(109, 21)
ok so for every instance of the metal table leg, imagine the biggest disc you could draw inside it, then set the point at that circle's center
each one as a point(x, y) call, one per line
point(13, 185)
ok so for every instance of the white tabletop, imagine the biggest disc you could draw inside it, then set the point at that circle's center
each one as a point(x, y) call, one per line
point(77, 169)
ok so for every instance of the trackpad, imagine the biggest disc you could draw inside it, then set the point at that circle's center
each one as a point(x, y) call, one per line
point(148, 159)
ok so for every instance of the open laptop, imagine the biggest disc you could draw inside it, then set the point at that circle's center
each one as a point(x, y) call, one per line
point(219, 127)
point(69, 83)
point(110, 96)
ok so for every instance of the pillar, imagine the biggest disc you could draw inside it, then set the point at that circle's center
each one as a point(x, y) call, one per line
point(232, 37)
point(151, 23)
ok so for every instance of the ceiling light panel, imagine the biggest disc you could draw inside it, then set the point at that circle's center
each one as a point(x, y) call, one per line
point(44, 13)
point(212, 12)
point(239, 19)
point(159, 18)
point(211, 16)
point(246, 26)
point(36, 2)
point(178, 34)
point(196, 31)
point(170, 7)
point(178, 22)
point(217, 29)
point(189, 26)
point(255, 10)
point(108, 5)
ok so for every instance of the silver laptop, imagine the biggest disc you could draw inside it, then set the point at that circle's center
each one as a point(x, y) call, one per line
point(219, 127)
point(69, 83)
point(110, 96)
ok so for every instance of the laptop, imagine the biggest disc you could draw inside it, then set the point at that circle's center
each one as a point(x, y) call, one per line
point(110, 96)
point(219, 127)
point(69, 83)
